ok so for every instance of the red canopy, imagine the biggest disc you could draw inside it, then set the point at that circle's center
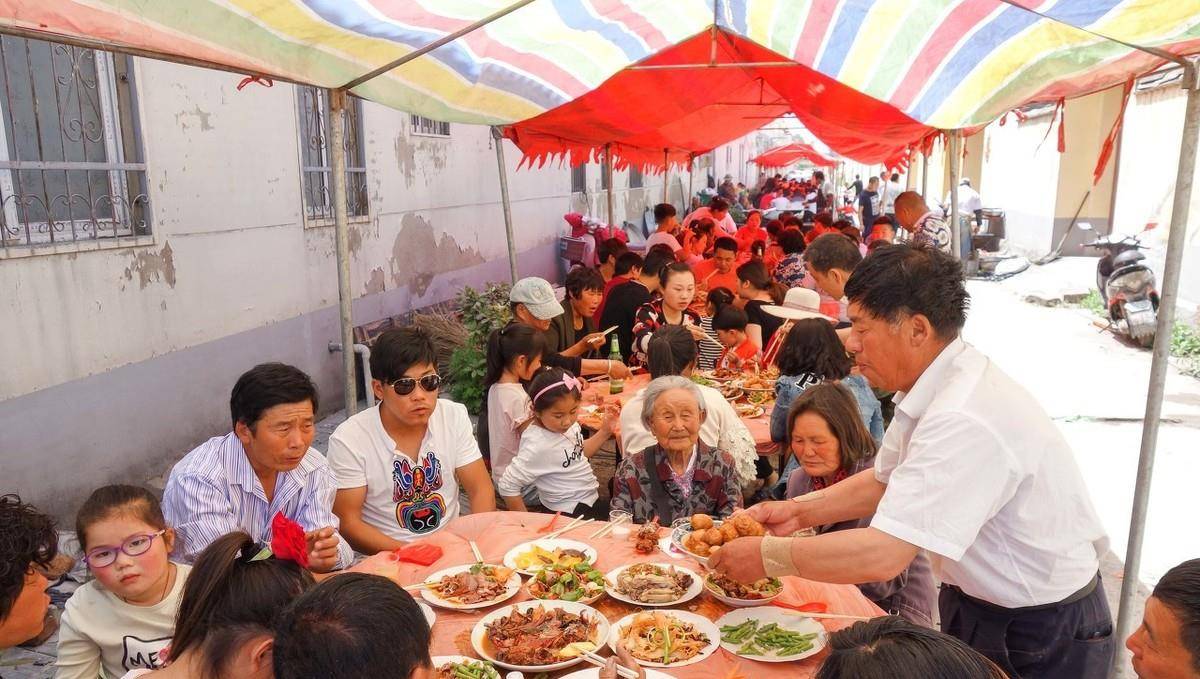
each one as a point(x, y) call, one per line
point(782, 156)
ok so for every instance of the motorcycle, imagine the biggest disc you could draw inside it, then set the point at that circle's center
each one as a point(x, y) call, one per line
point(1127, 286)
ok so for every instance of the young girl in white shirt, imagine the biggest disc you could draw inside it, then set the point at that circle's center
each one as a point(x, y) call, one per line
point(514, 354)
point(553, 455)
point(123, 619)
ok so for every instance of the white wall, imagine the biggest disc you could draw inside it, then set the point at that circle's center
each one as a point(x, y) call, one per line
point(1021, 179)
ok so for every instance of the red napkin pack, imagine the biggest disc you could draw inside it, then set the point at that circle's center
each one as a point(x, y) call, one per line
point(422, 554)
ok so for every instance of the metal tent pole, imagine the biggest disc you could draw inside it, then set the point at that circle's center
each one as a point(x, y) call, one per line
point(505, 203)
point(925, 176)
point(608, 177)
point(955, 230)
point(687, 200)
point(1158, 366)
point(338, 100)
point(666, 178)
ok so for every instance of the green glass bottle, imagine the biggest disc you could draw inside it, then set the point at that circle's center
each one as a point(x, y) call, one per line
point(615, 384)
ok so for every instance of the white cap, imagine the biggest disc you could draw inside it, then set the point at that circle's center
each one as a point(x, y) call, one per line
point(538, 296)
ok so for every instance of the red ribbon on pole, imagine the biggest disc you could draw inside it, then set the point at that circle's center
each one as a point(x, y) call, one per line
point(1109, 142)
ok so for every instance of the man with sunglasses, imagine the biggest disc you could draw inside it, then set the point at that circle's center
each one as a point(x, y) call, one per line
point(265, 466)
point(399, 465)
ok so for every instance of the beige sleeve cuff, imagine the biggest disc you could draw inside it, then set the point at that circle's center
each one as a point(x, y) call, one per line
point(777, 557)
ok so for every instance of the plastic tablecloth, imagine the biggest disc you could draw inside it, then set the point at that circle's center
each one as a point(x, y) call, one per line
point(497, 532)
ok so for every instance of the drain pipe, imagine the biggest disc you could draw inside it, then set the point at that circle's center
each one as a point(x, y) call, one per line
point(365, 352)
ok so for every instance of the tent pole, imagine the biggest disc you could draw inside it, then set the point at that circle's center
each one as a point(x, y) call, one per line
point(925, 176)
point(1158, 365)
point(338, 100)
point(505, 203)
point(608, 177)
point(955, 230)
point(687, 200)
point(666, 178)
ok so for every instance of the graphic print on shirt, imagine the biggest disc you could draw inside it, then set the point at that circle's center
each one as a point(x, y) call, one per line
point(142, 654)
point(573, 455)
point(419, 507)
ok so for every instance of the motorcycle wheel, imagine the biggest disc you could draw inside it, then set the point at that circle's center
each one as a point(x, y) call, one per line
point(1146, 341)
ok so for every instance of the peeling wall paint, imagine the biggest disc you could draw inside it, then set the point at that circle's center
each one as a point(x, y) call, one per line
point(152, 267)
point(418, 255)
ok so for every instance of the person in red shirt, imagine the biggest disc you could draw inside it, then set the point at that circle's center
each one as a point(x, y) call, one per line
point(750, 231)
point(718, 271)
point(627, 268)
point(730, 324)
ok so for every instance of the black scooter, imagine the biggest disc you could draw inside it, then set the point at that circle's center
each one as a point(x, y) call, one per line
point(1127, 286)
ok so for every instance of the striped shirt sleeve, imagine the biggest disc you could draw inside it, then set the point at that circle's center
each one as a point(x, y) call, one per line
point(316, 510)
point(198, 511)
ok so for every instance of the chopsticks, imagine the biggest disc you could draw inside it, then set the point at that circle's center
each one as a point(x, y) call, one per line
point(475, 551)
point(598, 661)
point(419, 586)
point(605, 530)
point(834, 616)
point(575, 523)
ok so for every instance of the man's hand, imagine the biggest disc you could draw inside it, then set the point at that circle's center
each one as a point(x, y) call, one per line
point(609, 671)
point(594, 340)
point(740, 559)
point(322, 549)
point(619, 370)
point(698, 333)
point(780, 518)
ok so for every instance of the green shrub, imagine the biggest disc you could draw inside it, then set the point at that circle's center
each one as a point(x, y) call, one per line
point(1094, 304)
point(481, 312)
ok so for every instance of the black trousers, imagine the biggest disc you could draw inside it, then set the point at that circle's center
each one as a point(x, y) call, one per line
point(1060, 641)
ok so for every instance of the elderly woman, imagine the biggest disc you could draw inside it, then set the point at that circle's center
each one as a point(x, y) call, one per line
point(832, 444)
point(679, 475)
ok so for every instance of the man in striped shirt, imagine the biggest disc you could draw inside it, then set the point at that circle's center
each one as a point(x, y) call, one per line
point(265, 466)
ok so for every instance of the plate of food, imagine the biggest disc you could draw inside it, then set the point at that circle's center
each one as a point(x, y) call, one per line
point(594, 673)
point(731, 392)
point(539, 636)
point(666, 638)
point(653, 584)
point(592, 415)
point(717, 375)
point(771, 634)
point(531, 557)
point(581, 582)
point(472, 586)
point(739, 595)
point(427, 611)
point(462, 667)
point(757, 383)
point(705, 535)
point(748, 410)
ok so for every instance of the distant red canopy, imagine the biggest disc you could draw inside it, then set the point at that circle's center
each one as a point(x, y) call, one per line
point(788, 154)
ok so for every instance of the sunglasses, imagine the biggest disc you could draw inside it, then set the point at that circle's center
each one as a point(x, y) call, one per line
point(405, 385)
point(134, 545)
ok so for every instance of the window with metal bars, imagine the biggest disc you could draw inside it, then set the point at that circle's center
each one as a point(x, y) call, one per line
point(71, 166)
point(579, 178)
point(429, 127)
point(316, 162)
point(635, 178)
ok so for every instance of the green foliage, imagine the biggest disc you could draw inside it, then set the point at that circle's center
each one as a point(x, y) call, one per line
point(1185, 341)
point(1093, 303)
point(481, 312)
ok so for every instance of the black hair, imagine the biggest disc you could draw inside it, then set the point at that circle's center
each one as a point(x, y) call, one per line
point(627, 261)
point(890, 647)
point(671, 349)
point(818, 175)
point(730, 317)
point(1179, 590)
point(354, 625)
point(793, 221)
point(832, 251)
point(774, 227)
point(791, 241)
point(718, 204)
point(118, 500)
point(719, 297)
point(656, 259)
point(883, 220)
point(877, 244)
point(582, 278)
point(726, 243)
point(842, 223)
point(672, 269)
point(662, 211)
point(610, 247)
point(906, 279)
point(895, 177)
point(398, 349)
point(229, 598)
point(265, 386)
point(27, 538)
point(702, 226)
point(755, 273)
point(812, 347)
point(824, 219)
point(505, 344)
point(547, 378)
point(852, 233)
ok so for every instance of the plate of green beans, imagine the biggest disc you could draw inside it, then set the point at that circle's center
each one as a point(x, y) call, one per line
point(770, 634)
point(462, 667)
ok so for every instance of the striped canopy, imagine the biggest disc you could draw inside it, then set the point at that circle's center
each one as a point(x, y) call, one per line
point(916, 66)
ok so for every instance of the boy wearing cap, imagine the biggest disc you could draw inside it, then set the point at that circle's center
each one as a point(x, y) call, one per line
point(533, 303)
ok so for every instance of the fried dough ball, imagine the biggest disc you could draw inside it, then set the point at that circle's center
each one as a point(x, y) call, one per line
point(746, 526)
point(696, 545)
point(701, 522)
point(713, 536)
point(729, 532)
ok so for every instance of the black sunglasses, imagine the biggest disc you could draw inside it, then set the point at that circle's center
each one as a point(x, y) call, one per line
point(405, 385)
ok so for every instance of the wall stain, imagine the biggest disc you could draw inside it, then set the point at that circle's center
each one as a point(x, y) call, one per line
point(376, 283)
point(405, 159)
point(201, 116)
point(418, 256)
point(152, 267)
point(354, 238)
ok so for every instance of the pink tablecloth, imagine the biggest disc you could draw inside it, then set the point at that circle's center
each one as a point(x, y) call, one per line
point(760, 427)
point(497, 532)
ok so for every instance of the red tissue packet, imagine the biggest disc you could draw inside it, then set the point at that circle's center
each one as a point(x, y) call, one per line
point(422, 554)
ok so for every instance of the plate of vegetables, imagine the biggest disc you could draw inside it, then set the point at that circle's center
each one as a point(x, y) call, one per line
point(462, 667)
point(581, 582)
point(770, 634)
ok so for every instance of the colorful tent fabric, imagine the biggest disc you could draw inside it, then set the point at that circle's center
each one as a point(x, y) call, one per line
point(790, 154)
point(872, 76)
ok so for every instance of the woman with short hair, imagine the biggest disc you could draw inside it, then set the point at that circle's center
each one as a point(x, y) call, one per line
point(573, 332)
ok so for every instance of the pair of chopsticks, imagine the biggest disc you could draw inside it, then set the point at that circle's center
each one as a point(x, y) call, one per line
point(608, 528)
point(598, 661)
point(425, 585)
point(575, 523)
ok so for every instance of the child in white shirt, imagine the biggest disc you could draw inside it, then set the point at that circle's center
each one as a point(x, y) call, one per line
point(514, 355)
point(553, 455)
point(122, 620)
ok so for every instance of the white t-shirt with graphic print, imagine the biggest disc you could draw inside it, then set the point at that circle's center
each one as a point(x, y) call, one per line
point(555, 463)
point(405, 499)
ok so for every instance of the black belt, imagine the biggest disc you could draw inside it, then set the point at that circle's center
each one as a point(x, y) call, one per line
point(1081, 594)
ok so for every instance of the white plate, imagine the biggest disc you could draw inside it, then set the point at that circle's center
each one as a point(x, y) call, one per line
point(430, 616)
point(795, 622)
point(548, 544)
point(680, 532)
point(479, 632)
point(514, 586)
point(691, 593)
point(739, 603)
point(699, 622)
point(439, 660)
point(594, 673)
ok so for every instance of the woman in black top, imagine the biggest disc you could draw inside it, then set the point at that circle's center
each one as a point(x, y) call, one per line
point(759, 290)
point(573, 333)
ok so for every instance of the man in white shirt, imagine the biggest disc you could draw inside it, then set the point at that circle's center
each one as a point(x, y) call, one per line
point(970, 203)
point(716, 210)
point(399, 465)
point(668, 227)
point(971, 470)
